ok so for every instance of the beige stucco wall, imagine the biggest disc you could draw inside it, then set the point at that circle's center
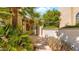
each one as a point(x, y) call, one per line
point(65, 16)
point(68, 15)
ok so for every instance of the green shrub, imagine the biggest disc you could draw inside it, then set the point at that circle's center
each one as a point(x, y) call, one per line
point(16, 39)
point(26, 42)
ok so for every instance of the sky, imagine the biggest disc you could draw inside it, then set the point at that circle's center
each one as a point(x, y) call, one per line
point(42, 10)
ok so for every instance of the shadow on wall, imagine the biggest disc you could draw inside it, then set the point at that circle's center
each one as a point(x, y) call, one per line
point(71, 36)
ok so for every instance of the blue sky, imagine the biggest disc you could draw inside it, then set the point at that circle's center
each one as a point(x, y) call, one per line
point(42, 10)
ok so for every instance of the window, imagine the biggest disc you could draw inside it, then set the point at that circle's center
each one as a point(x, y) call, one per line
point(77, 18)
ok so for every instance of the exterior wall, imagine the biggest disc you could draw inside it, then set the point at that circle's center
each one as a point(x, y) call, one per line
point(65, 16)
point(68, 15)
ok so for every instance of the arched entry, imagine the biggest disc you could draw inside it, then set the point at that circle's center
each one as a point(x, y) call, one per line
point(77, 18)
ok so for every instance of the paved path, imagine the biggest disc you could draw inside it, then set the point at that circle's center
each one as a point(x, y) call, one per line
point(41, 44)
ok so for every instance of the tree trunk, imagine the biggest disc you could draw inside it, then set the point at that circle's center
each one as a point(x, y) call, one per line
point(14, 16)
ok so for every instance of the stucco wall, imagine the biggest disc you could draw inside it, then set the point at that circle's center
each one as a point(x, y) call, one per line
point(68, 15)
point(65, 16)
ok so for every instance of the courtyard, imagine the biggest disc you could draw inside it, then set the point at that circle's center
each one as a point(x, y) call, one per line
point(34, 29)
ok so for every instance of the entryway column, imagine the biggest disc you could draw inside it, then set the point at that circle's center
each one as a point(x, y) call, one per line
point(40, 31)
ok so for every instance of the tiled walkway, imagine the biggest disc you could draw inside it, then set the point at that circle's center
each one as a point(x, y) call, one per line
point(42, 45)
